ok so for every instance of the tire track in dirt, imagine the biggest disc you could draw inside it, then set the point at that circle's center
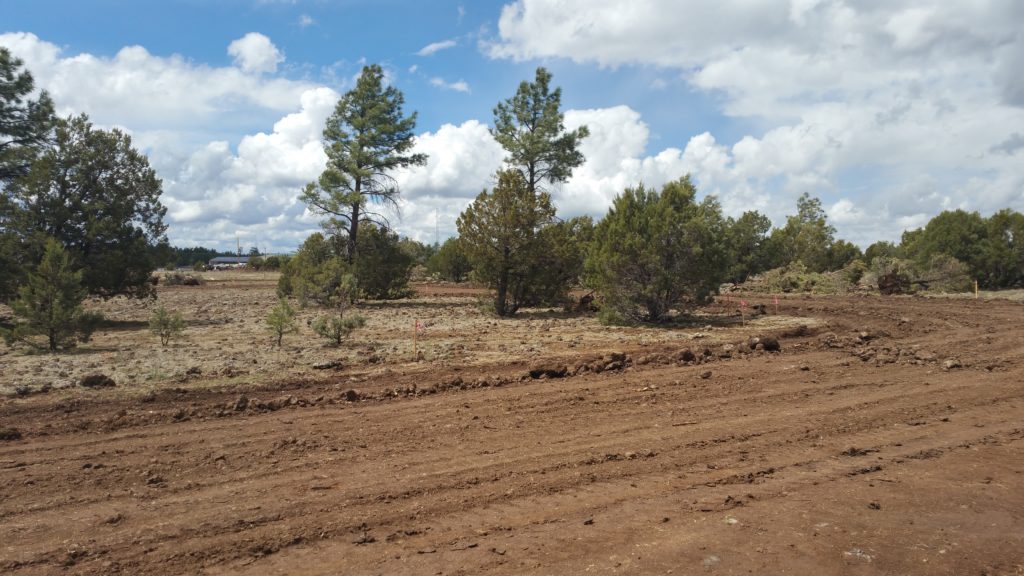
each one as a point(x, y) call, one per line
point(503, 479)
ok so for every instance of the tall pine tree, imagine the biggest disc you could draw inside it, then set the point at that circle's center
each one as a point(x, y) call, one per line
point(531, 128)
point(366, 139)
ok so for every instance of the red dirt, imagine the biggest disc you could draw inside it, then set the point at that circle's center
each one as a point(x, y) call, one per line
point(889, 442)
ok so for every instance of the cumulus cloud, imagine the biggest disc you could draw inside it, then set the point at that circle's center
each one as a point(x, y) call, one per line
point(457, 86)
point(252, 190)
point(255, 53)
point(305, 20)
point(146, 92)
point(179, 113)
point(846, 92)
point(434, 48)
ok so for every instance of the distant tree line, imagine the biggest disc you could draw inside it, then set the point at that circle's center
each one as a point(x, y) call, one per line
point(655, 251)
point(80, 215)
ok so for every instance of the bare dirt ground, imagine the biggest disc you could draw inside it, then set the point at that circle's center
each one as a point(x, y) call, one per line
point(884, 438)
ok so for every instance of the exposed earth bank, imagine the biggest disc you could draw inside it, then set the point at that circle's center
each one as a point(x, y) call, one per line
point(886, 438)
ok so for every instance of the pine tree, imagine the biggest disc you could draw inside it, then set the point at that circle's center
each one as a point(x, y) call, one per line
point(50, 303)
point(281, 321)
point(500, 233)
point(366, 139)
point(530, 127)
point(26, 129)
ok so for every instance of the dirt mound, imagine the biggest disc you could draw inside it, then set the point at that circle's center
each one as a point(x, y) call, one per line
point(97, 381)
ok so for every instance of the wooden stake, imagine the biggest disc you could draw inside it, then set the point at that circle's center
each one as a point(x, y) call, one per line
point(976, 294)
point(415, 353)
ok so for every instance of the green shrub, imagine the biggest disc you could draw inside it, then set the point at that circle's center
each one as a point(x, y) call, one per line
point(336, 328)
point(166, 325)
point(657, 251)
point(50, 304)
point(281, 321)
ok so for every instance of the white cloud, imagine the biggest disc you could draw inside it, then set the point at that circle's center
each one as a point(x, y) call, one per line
point(255, 53)
point(458, 86)
point(434, 48)
point(187, 118)
point(856, 100)
point(306, 20)
point(148, 92)
point(217, 191)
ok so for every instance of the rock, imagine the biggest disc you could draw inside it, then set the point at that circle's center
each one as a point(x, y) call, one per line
point(9, 434)
point(548, 370)
point(705, 374)
point(951, 364)
point(711, 561)
point(770, 344)
point(686, 355)
point(327, 365)
point(352, 396)
point(241, 403)
point(924, 356)
point(194, 371)
point(97, 381)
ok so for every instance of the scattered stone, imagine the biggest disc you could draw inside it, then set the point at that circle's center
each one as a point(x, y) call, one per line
point(858, 554)
point(951, 364)
point(364, 538)
point(97, 381)
point(352, 396)
point(770, 344)
point(711, 561)
point(854, 451)
point(588, 522)
point(328, 365)
point(115, 519)
point(548, 370)
point(705, 374)
point(9, 434)
point(194, 371)
point(875, 506)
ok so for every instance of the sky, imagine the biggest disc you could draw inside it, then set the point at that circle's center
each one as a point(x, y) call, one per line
point(889, 111)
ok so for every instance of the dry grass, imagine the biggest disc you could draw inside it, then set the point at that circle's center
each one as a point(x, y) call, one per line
point(226, 339)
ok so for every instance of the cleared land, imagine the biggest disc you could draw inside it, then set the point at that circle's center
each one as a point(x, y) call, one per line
point(885, 438)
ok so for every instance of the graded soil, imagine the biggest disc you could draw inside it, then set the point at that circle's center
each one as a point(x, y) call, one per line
point(885, 437)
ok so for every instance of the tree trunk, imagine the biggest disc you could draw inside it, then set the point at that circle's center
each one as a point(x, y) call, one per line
point(499, 300)
point(353, 230)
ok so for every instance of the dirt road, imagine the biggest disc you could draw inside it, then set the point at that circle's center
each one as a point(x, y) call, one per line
point(888, 440)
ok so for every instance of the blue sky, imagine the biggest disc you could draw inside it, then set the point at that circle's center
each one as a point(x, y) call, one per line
point(890, 112)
